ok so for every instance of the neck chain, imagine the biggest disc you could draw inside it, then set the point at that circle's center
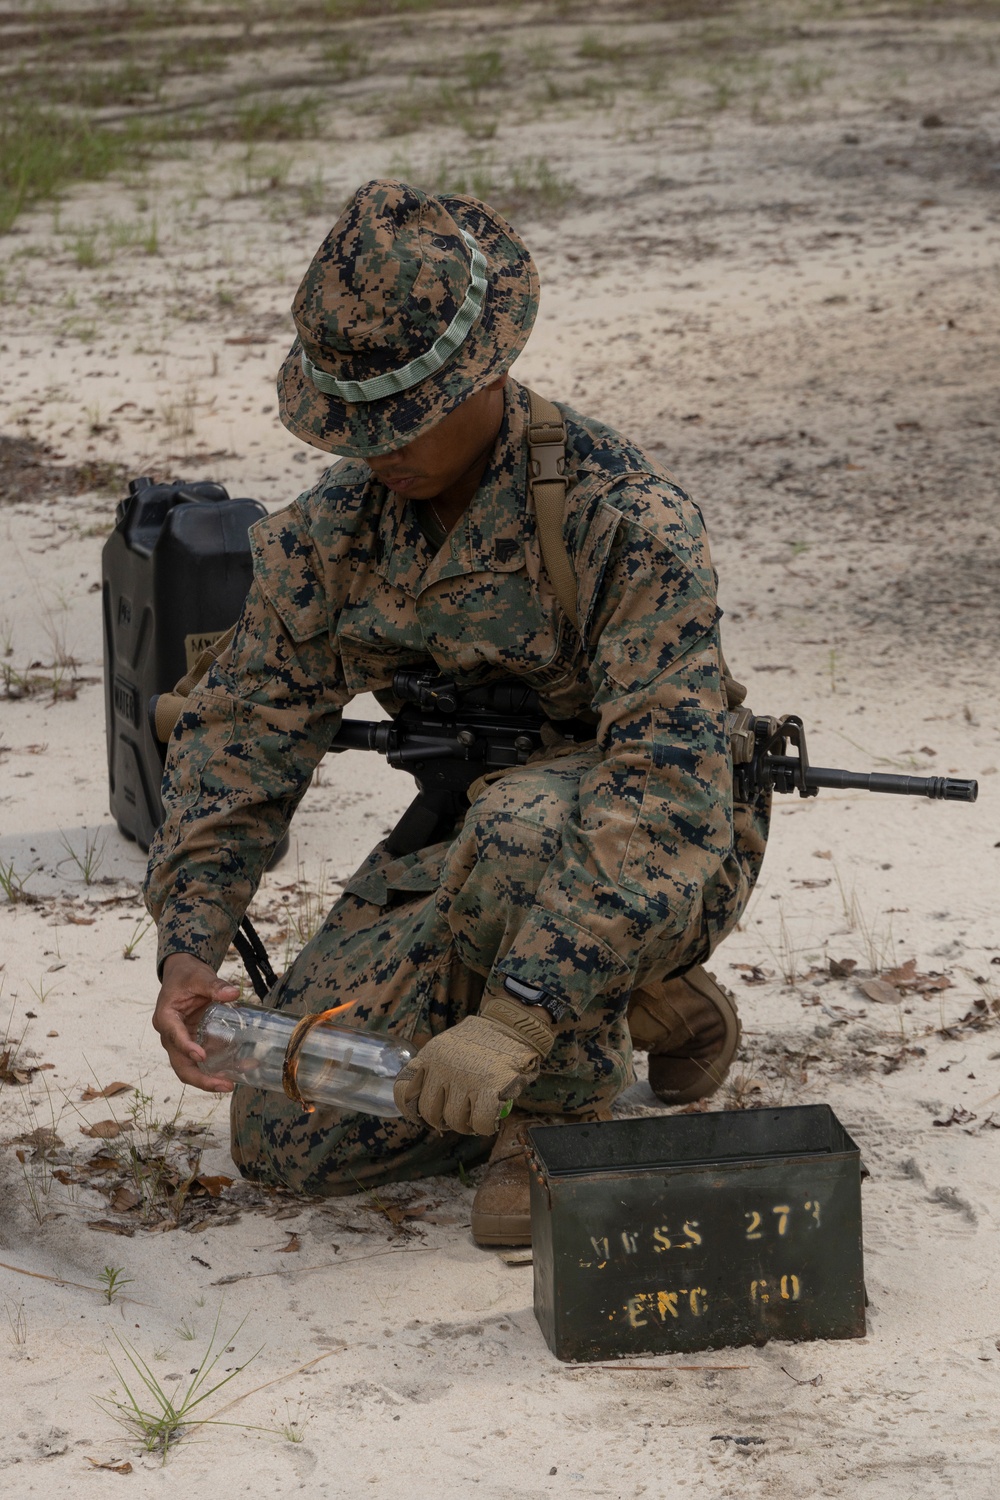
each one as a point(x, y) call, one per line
point(434, 513)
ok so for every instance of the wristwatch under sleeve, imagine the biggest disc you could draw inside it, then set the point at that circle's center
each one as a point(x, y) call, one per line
point(529, 995)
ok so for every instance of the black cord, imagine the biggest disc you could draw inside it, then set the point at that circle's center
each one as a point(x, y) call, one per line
point(255, 960)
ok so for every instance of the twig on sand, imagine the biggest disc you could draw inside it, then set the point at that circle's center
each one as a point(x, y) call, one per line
point(665, 1369)
point(277, 1379)
point(329, 1265)
point(81, 1286)
point(59, 1280)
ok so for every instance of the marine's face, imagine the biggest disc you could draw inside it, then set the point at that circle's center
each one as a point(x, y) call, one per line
point(439, 460)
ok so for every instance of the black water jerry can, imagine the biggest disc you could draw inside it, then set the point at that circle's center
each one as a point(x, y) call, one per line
point(670, 1234)
point(176, 570)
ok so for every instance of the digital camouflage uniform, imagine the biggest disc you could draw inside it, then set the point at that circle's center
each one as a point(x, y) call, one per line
point(585, 874)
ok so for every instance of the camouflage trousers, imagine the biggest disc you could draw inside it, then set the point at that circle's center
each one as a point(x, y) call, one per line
point(410, 943)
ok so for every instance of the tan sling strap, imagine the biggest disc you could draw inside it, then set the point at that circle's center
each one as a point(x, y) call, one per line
point(170, 706)
point(547, 483)
point(547, 486)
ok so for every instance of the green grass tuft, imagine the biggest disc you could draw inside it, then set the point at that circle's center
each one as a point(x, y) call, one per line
point(529, 187)
point(273, 120)
point(149, 1412)
point(41, 151)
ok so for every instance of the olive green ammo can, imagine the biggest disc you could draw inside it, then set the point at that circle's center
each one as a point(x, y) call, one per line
point(674, 1233)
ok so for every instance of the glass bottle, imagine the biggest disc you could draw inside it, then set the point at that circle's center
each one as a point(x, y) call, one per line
point(352, 1070)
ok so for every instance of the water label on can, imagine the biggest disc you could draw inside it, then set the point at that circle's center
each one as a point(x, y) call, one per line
point(199, 642)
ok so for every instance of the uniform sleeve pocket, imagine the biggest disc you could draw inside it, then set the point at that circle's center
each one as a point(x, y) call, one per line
point(683, 829)
point(288, 570)
point(646, 644)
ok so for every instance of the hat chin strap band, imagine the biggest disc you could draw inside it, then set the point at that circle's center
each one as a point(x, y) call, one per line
point(443, 347)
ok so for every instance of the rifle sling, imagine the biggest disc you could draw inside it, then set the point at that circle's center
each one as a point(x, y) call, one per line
point(547, 488)
point(170, 706)
point(547, 484)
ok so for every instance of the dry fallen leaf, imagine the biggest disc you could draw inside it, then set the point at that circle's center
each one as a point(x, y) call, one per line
point(958, 1116)
point(42, 1138)
point(841, 967)
point(928, 984)
point(125, 1199)
point(108, 1226)
point(292, 1248)
point(108, 1092)
point(214, 1186)
point(11, 1071)
point(112, 1466)
point(906, 978)
point(752, 973)
point(106, 1130)
point(881, 991)
point(399, 1213)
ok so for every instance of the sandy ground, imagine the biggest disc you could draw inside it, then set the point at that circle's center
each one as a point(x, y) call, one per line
point(756, 259)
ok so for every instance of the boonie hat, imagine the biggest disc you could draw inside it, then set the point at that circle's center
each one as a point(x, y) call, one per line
point(411, 304)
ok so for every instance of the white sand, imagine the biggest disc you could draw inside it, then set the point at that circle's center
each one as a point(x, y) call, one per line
point(809, 336)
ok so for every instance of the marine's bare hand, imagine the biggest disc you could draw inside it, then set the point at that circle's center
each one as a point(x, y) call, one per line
point(188, 986)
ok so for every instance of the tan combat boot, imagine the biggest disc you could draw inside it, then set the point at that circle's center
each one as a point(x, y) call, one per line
point(691, 1030)
point(501, 1209)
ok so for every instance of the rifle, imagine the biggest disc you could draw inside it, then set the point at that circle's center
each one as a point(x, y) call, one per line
point(447, 736)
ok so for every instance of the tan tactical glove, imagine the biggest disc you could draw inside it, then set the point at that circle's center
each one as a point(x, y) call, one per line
point(462, 1079)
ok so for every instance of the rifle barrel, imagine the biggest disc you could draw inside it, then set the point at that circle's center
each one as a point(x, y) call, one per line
point(941, 788)
point(373, 734)
point(359, 734)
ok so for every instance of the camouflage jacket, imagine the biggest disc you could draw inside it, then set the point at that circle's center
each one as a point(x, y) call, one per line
point(347, 590)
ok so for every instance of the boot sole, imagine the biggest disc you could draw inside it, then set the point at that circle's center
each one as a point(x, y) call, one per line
point(506, 1231)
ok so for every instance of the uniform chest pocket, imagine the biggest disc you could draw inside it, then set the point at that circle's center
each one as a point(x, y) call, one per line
point(499, 620)
point(377, 636)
